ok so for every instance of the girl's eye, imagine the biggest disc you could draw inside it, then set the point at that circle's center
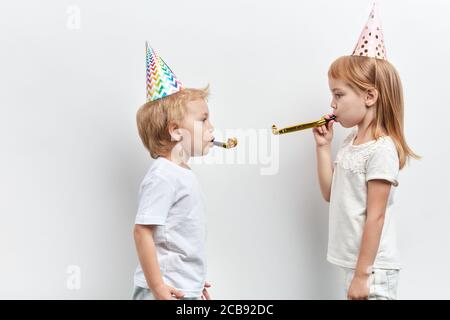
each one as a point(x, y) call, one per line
point(338, 95)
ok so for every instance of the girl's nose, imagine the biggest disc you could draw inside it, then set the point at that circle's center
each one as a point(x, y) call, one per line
point(333, 105)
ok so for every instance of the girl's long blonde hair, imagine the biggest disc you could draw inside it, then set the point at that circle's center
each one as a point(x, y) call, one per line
point(362, 73)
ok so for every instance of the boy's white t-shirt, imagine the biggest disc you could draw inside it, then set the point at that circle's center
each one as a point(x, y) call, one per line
point(170, 198)
point(354, 166)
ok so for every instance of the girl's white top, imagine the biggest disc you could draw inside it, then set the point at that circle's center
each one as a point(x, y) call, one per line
point(354, 166)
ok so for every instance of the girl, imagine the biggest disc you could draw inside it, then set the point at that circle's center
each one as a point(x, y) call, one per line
point(360, 183)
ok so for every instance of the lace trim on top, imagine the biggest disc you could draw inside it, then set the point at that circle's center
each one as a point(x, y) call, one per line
point(354, 158)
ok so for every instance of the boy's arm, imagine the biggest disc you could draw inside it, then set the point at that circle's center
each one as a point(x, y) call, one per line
point(146, 250)
point(377, 197)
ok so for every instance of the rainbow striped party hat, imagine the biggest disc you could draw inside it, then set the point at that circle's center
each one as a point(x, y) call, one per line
point(161, 81)
point(371, 41)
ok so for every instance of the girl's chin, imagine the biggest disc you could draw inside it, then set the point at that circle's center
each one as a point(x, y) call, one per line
point(344, 124)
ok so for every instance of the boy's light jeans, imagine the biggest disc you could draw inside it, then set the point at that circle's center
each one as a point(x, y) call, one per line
point(382, 283)
point(145, 294)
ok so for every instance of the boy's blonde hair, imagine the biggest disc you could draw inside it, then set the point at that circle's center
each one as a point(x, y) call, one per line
point(154, 117)
point(362, 73)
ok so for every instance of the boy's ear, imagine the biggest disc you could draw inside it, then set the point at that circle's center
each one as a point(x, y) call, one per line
point(175, 132)
point(371, 97)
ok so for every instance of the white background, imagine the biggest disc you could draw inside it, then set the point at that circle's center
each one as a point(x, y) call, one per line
point(71, 159)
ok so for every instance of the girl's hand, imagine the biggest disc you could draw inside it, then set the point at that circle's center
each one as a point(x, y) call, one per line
point(165, 292)
point(324, 134)
point(206, 295)
point(359, 288)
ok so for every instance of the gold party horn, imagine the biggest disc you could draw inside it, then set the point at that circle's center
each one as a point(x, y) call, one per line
point(231, 143)
point(302, 126)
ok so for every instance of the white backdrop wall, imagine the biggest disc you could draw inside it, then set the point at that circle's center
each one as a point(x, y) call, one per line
point(72, 77)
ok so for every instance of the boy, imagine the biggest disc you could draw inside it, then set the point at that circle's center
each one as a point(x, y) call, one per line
point(170, 226)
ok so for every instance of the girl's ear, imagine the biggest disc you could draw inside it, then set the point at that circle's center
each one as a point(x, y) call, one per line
point(371, 97)
point(175, 132)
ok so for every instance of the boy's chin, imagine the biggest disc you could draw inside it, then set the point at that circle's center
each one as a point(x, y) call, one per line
point(205, 151)
point(202, 153)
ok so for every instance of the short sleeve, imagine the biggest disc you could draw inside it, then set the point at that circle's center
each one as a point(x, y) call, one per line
point(155, 200)
point(384, 164)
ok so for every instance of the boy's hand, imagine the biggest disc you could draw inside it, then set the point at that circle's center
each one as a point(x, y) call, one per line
point(359, 288)
point(206, 295)
point(324, 134)
point(165, 292)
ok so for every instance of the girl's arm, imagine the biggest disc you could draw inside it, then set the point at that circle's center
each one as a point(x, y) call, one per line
point(145, 246)
point(324, 170)
point(323, 136)
point(377, 197)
